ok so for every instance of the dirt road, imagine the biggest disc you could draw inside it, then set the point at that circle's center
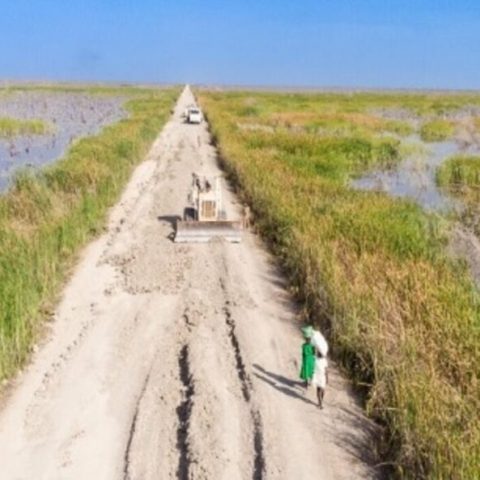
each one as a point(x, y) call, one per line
point(169, 361)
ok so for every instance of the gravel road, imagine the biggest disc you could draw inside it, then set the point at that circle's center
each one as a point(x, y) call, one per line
point(168, 361)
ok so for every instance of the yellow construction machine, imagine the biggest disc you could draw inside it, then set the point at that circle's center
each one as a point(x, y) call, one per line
point(204, 219)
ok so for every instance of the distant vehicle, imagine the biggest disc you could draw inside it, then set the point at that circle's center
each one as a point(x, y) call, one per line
point(194, 115)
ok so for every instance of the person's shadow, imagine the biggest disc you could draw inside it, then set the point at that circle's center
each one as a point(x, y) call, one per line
point(287, 386)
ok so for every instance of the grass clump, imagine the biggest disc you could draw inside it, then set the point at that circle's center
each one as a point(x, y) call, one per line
point(371, 270)
point(12, 127)
point(460, 171)
point(437, 130)
point(459, 176)
point(46, 217)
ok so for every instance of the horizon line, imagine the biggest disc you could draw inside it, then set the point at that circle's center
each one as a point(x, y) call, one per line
point(295, 88)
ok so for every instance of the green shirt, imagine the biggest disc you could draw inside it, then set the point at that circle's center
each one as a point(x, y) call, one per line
point(308, 361)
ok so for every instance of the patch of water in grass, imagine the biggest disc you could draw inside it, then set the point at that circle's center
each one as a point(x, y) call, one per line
point(70, 116)
point(414, 177)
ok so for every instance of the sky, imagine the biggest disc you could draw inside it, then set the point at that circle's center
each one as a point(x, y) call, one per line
point(316, 43)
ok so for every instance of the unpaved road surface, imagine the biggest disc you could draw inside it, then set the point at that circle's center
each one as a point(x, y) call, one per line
point(168, 361)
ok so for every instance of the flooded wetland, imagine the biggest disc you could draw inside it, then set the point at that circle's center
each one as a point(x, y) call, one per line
point(61, 119)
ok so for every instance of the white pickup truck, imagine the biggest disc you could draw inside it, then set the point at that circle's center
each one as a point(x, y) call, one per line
point(194, 115)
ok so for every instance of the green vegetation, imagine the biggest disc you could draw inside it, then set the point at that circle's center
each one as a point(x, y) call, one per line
point(459, 176)
point(338, 124)
point(371, 270)
point(11, 127)
point(460, 171)
point(437, 130)
point(398, 104)
point(46, 217)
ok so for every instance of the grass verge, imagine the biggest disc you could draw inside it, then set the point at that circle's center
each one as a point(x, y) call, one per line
point(46, 217)
point(371, 270)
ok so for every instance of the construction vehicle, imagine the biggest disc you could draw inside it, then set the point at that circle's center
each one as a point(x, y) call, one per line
point(204, 219)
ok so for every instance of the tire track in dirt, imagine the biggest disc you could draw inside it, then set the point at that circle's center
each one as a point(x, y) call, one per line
point(259, 461)
point(165, 400)
point(199, 312)
point(133, 426)
point(232, 295)
point(202, 318)
point(240, 365)
point(184, 412)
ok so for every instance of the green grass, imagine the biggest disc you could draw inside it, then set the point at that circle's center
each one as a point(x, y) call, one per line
point(460, 171)
point(437, 130)
point(338, 124)
point(371, 270)
point(459, 177)
point(45, 218)
point(422, 104)
point(12, 127)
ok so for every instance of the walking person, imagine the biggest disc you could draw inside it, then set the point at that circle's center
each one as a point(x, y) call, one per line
point(308, 357)
point(320, 376)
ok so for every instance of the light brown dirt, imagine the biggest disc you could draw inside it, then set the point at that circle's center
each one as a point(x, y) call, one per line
point(176, 361)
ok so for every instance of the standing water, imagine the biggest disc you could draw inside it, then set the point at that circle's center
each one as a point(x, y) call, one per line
point(414, 177)
point(68, 116)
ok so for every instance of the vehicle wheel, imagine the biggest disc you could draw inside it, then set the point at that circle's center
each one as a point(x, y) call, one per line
point(189, 214)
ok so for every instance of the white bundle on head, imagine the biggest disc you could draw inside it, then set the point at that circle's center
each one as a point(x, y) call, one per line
point(319, 342)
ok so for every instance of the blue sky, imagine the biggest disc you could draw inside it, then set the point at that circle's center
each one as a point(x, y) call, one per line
point(356, 43)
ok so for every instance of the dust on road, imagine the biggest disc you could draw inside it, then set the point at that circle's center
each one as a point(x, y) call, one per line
point(169, 361)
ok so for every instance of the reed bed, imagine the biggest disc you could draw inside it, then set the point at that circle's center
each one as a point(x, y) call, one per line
point(459, 177)
point(437, 130)
point(11, 127)
point(460, 172)
point(402, 316)
point(46, 217)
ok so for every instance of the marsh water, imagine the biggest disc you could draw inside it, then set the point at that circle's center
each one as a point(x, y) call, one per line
point(414, 177)
point(68, 116)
